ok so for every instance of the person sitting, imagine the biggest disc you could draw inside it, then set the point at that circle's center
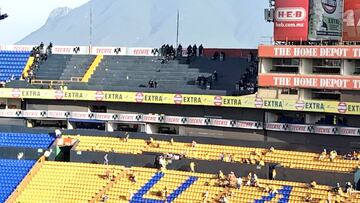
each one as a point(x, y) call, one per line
point(348, 187)
point(308, 198)
point(333, 155)
point(193, 144)
point(254, 181)
point(192, 167)
point(221, 175)
point(323, 155)
point(126, 139)
point(313, 185)
point(133, 178)
point(239, 182)
point(172, 141)
point(162, 163)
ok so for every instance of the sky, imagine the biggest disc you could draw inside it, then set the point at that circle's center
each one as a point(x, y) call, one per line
point(28, 17)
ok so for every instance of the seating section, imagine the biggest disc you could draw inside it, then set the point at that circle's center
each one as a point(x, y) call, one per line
point(79, 182)
point(132, 73)
point(292, 159)
point(64, 67)
point(12, 64)
point(26, 140)
point(11, 174)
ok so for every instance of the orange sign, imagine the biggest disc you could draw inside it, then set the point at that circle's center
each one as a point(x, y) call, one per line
point(310, 81)
point(330, 52)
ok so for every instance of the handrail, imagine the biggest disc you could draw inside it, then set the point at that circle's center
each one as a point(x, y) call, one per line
point(92, 68)
point(29, 63)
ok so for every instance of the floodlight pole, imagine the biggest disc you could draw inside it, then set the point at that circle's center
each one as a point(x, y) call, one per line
point(177, 28)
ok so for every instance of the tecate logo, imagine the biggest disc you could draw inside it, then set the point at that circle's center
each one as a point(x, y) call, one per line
point(290, 14)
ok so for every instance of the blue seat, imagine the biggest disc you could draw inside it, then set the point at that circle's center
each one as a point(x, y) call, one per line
point(12, 62)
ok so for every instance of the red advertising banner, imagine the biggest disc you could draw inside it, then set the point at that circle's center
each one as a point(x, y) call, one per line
point(329, 52)
point(310, 81)
point(351, 20)
point(291, 20)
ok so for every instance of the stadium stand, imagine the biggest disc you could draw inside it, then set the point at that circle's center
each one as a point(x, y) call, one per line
point(80, 182)
point(12, 64)
point(64, 67)
point(291, 159)
point(133, 73)
point(12, 172)
point(26, 140)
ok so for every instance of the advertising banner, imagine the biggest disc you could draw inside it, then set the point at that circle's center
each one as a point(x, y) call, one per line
point(139, 51)
point(349, 131)
point(351, 108)
point(311, 81)
point(325, 19)
point(108, 51)
point(325, 130)
point(351, 20)
point(291, 20)
point(70, 50)
point(320, 52)
point(275, 126)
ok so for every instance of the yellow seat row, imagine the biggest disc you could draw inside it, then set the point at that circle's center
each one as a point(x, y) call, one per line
point(294, 159)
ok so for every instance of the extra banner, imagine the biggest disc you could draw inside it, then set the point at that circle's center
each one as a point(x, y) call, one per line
point(325, 19)
point(350, 108)
point(351, 20)
point(291, 20)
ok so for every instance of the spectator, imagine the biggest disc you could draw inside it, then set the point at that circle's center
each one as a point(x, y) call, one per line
point(189, 51)
point(201, 50)
point(222, 56)
point(192, 167)
point(348, 187)
point(333, 155)
point(194, 50)
point(106, 160)
point(215, 56)
point(239, 182)
point(215, 75)
point(323, 155)
point(193, 144)
point(57, 133)
point(179, 50)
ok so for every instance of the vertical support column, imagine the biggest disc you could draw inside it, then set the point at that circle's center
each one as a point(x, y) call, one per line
point(29, 123)
point(69, 125)
point(182, 130)
point(151, 128)
point(109, 126)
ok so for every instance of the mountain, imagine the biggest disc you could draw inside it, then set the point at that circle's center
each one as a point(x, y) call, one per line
point(150, 23)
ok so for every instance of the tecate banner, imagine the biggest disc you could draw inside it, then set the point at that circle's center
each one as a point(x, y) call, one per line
point(291, 20)
point(325, 19)
point(351, 20)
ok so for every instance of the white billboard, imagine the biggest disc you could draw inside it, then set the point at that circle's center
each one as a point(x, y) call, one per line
point(325, 20)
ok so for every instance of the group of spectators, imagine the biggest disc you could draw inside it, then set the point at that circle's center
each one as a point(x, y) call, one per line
point(152, 83)
point(170, 53)
point(248, 81)
point(40, 55)
point(206, 80)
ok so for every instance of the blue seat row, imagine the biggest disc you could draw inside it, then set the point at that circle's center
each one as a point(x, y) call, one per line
point(26, 140)
point(14, 52)
point(12, 172)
